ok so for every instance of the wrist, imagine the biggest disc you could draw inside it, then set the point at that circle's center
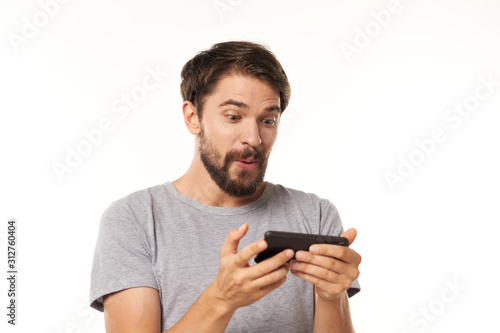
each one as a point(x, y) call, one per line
point(332, 300)
point(333, 315)
point(208, 314)
point(220, 306)
point(329, 298)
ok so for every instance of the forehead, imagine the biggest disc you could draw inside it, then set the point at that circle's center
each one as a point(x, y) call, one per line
point(245, 87)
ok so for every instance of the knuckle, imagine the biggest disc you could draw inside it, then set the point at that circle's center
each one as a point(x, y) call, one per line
point(240, 257)
point(272, 279)
point(232, 233)
point(226, 262)
point(320, 249)
point(346, 285)
point(343, 251)
point(278, 260)
point(356, 274)
point(280, 272)
point(332, 276)
point(255, 247)
point(332, 265)
point(238, 280)
point(261, 270)
point(314, 280)
point(322, 273)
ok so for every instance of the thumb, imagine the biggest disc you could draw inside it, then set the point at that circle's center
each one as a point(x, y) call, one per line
point(350, 235)
point(233, 240)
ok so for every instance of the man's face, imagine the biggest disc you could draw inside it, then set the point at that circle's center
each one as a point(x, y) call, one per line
point(238, 129)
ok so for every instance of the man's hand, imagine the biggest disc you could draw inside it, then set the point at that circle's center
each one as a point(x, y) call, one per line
point(331, 268)
point(237, 283)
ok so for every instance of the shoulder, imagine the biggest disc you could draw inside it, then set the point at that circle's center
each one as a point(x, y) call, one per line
point(136, 207)
point(300, 196)
point(141, 198)
point(307, 201)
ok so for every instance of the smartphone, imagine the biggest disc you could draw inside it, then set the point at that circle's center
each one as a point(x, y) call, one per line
point(278, 241)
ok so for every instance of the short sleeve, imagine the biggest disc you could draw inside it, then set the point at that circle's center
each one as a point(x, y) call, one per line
point(332, 225)
point(122, 257)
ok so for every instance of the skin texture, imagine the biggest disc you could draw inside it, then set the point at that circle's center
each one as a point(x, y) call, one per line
point(240, 124)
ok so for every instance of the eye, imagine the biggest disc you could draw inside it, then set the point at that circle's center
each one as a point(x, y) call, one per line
point(269, 122)
point(232, 117)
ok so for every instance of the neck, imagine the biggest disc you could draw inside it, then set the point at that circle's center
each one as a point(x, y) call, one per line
point(197, 184)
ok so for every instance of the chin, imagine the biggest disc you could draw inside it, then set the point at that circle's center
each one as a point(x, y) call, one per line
point(239, 190)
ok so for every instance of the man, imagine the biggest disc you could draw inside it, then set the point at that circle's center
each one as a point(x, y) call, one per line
point(161, 262)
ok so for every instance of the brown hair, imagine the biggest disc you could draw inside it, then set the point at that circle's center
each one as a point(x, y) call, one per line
point(201, 74)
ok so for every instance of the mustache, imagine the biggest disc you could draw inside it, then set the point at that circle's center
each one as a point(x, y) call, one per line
point(247, 153)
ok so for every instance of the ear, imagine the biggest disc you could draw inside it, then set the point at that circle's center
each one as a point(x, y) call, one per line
point(191, 117)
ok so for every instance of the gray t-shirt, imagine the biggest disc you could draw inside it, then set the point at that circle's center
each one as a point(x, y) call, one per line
point(162, 239)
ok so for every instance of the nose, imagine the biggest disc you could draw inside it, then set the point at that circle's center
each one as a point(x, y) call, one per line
point(251, 135)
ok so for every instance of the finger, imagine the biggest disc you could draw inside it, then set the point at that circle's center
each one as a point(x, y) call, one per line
point(339, 252)
point(270, 280)
point(329, 272)
point(313, 273)
point(233, 240)
point(250, 251)
point(263, 291)
point(334, 288)
point(350, 235)
point(271, 264)
point(325, 262)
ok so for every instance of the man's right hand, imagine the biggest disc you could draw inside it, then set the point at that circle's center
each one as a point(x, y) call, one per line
point(237, 283)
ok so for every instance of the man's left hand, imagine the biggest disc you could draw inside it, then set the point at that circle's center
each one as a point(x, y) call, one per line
point(331, 268)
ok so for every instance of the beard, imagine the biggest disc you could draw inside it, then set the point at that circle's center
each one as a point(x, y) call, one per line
point(243, 183)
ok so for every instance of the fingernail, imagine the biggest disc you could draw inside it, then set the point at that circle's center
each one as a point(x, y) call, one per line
point(262, 245)
point(289, 254)
point(300, 255)
point(314, 249)
point(241, 228)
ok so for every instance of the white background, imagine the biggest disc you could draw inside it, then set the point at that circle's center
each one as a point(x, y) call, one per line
point(351, 119)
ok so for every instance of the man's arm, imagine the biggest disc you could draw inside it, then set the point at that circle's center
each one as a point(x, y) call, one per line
point(133, 310)
point(332, 269)
point(237, 284)
point(137, 310)
point(333, 316)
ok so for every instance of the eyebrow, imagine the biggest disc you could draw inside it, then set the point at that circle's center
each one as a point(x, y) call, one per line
point(242, 105)
point(274, 108)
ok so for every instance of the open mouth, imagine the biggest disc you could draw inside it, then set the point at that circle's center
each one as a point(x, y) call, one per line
point(247, 161)
point(246, 164)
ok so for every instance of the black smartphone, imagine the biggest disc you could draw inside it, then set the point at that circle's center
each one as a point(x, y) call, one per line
point(278, 241)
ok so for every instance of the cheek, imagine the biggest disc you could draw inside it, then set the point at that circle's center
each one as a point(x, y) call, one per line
point(219, 136)
point(220, 131)
point(269, 138)
point(222, 144)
